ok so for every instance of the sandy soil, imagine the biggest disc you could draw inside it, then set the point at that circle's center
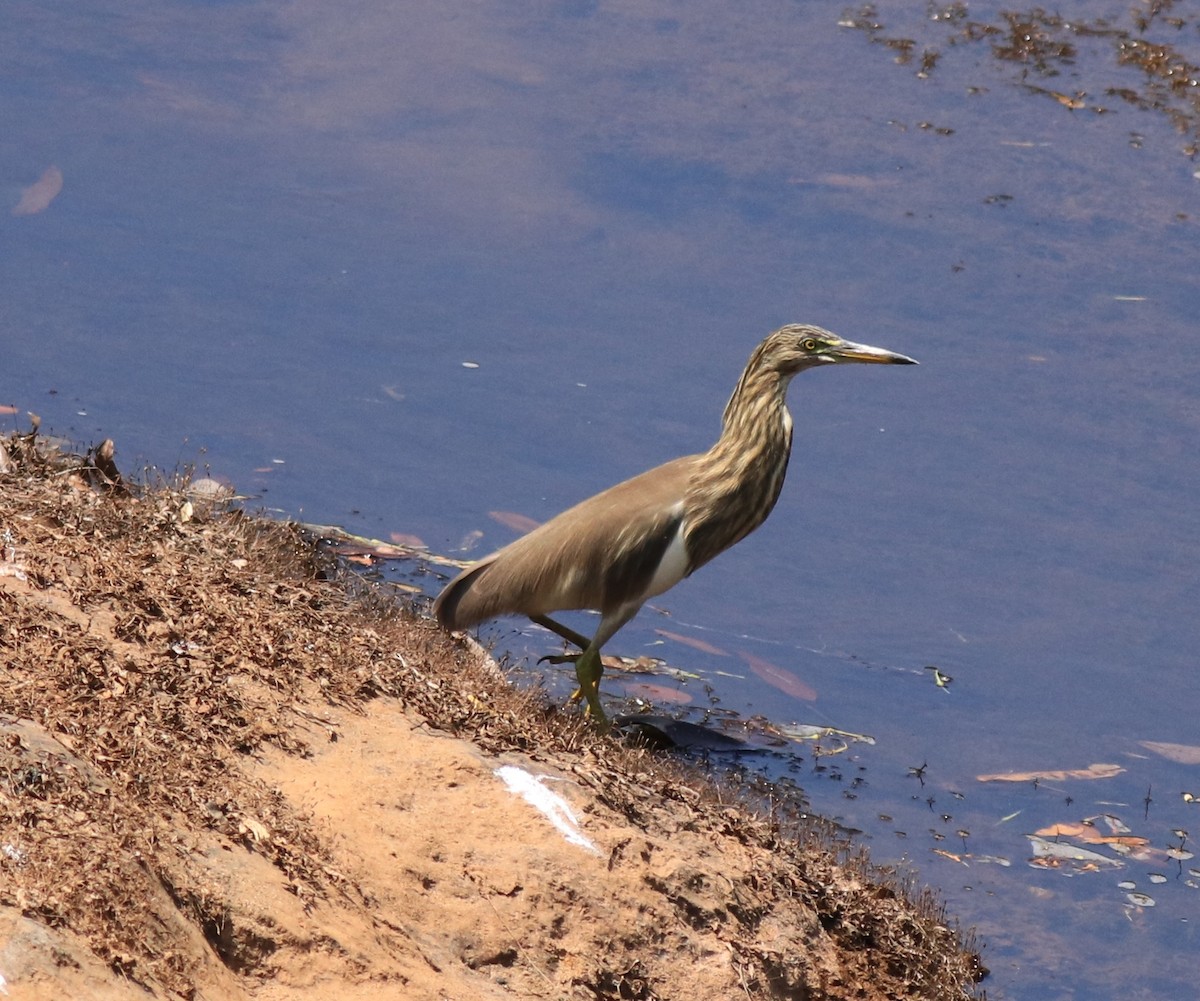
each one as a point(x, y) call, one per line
point(229, 769)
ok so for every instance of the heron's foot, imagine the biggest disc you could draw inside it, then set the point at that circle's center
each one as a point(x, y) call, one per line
point(593, 708)
point(565, 658)
point(588, 670)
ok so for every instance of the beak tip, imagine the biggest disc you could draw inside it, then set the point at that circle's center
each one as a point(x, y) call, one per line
point(866, 353)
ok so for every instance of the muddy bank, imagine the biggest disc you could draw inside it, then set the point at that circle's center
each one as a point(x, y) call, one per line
point(229, 769)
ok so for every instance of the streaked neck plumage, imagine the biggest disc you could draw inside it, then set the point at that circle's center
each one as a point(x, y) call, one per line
point(736, 483)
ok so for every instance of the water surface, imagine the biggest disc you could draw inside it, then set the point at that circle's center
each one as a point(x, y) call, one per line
point(283, 228)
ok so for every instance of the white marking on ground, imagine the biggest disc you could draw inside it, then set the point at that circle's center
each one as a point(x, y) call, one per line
point(550, 804)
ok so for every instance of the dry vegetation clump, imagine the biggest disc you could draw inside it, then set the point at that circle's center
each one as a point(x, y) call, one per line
point(163, 650)
point(156, 648)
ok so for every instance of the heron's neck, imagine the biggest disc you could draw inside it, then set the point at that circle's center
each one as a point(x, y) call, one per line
point(756, 416)
point(736, 482)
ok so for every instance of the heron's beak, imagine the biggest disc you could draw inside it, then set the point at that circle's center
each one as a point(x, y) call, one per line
point(849, 351)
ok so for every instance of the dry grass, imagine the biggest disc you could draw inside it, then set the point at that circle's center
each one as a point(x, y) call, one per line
point(155, 646)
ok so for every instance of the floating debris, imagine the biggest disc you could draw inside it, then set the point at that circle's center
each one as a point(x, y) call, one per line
point(779, 678)
point(38, 196)
point(1098, 771)
point(1064, 855)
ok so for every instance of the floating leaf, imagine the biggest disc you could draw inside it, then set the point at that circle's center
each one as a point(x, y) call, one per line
point(1140, 899)
point(695, 644)
point(640, 665)
point(1062, 831)
point(406, 540)
point(38, 196)
point(951, 856)
point(656, 693)
point(777, 677)
point(517, 522)
point(1097, 771)
point(1126, 841)
point(1051, 854)
point(470, 541)
point(364, 551)
point(1184, 754)
point(811, 731)
point(1114, 824)
point(1067, 101)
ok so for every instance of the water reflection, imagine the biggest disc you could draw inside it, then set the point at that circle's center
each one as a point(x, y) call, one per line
point(281, 230)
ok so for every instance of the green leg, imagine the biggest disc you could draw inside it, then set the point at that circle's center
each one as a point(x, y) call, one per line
point(569, 635)
point(588, 670)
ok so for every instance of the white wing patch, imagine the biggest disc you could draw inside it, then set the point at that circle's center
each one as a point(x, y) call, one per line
point(673, 566)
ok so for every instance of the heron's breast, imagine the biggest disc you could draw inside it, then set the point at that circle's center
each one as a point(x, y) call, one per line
point(673, 566)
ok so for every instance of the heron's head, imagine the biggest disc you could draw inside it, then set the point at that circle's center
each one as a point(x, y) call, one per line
point(798, 346)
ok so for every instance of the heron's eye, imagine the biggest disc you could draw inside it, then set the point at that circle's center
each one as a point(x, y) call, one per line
point(810, 344)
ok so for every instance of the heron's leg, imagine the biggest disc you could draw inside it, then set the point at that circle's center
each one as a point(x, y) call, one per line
point(588, 667)
point(583, 668)
point(565, 632)
point(588, 688)
point(588, 670)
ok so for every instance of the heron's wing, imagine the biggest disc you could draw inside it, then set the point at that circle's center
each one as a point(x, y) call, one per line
point(599, 554)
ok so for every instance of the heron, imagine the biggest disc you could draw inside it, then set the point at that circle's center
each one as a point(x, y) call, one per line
point(614, 551)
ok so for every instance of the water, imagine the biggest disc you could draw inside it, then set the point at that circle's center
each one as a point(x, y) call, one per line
point(284, 228)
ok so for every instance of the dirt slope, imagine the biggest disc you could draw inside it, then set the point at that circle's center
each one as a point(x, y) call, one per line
point(229, 771)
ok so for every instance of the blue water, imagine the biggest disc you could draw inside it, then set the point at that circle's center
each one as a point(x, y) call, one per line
point(284, 228)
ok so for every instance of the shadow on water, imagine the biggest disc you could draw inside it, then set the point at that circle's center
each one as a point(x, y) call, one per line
point(402, 269)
